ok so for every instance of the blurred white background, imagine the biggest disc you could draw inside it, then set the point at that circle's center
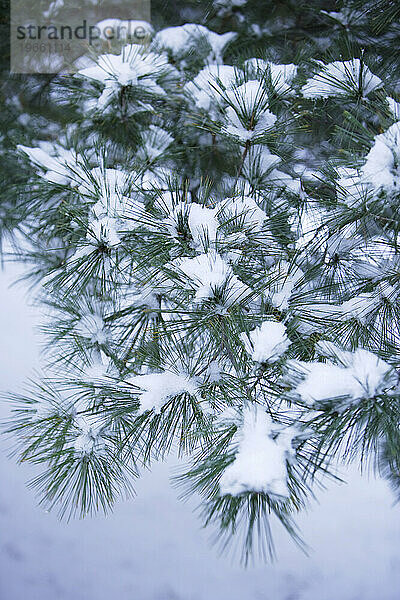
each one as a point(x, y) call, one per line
point(153, 547)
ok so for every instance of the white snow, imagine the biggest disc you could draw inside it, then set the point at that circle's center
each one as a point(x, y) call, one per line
point(158, 388)
point(260, 461)
point(259, 158)
point(247, 116)
point(243, 129)
point(100, 232)
point(361, 375)
point(209, 273)
point(181, 39)
point(284, 280)
point(89, 438)
point(203, 88)
point(324, 381)
point(394, 107)
point(92, 327)
point(341, 79)
point(381, 170)
point(203, 223)
point(134, 66)
point(282, 75)
point(372, 373)
point(155, 141)
point(54, 160)
point(98, 371)
point(245, 210)
point(266, 343)
point(109, 183)
point(126, 68)
point(360, 307)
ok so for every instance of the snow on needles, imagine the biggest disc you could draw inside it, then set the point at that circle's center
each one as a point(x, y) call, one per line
point(204, 86)
point(202, 221)
point(266, 343)
point(281, 75)
point(133, 67)
point(126, 68)
point(91, 326)
point(57, 162)
point(382, 167)
point(341, 79)
point(260, 461)
point(181, 39)
point(380, 172)
point(209, 274)
point(245, 210)
point(248, 117)
point(361, 374)
point(158, 388)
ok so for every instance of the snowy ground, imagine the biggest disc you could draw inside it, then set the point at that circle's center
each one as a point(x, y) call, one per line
point(152, 548)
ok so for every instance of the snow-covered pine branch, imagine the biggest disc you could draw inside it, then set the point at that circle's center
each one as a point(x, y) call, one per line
point(215, 238)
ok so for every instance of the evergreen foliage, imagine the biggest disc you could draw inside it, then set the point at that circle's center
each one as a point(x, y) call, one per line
point(212, 223)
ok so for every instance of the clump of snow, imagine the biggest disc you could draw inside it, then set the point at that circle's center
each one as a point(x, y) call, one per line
point(260, 160)
point(101, 233)
point(239, 127)
point(260, 460)
point(158, 388)
point(89, 439)
point(110, 182)
point(281, 75)
point(208, 274)
point(284, 280)
point(394, 107)
point(341, 79)
point(134, 66)
point(213, 372)
point(247, 116)
point(361, 374)
point(53, 9)
point(246, 211)
point(248, 95)
point(360, 307)
point(99, 370)
point(266, 343)
point(92, 327)
point(204, 86)
point(260, 163)
point(58, 163)
point(155, 141)
point(127, 68)
point(180, 40)
point(325, 381)
point(381, 170)
point(109, 186)
point(203, 223)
